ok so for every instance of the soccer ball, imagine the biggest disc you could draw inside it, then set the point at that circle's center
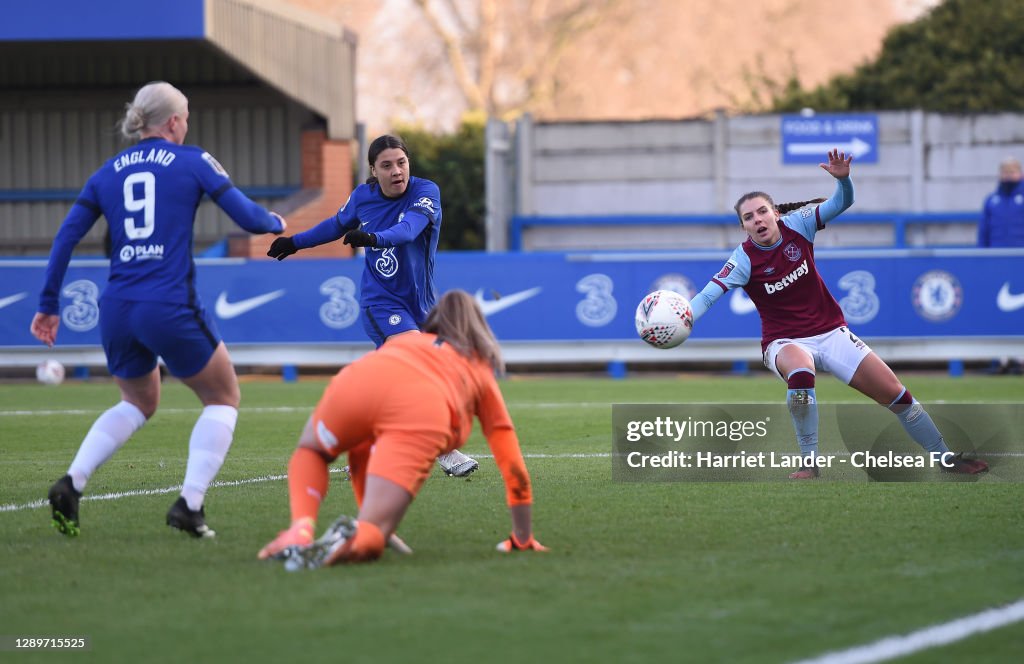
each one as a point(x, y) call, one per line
point(50, 372)
point(664, 319)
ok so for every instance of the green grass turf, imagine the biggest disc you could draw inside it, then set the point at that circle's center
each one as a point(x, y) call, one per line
point(703, 572)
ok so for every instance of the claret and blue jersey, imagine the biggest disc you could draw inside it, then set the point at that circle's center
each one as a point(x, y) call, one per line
point(399, 270)
point(782, 280)
point(149, 193)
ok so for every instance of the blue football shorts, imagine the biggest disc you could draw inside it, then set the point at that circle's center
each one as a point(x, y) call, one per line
point(135, 334)
point(381, 322)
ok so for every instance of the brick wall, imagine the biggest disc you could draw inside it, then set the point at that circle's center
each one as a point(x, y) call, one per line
point(326, 166)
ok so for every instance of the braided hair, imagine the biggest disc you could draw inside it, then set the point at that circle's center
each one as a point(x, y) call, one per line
point(782, 208)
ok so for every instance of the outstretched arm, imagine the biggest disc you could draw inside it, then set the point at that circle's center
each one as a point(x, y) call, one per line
point(838, 166)
point(248, 214)
point(734, 274)
point(328, 230)
point(703, 300)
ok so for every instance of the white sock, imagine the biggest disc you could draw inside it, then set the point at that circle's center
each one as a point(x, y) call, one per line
point(207, 448)
point(109, 432)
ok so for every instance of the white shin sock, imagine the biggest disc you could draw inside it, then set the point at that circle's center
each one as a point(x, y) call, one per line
point(207, 449)
point(108, 433)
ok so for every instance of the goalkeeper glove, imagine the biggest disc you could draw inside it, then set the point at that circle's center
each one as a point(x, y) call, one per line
point(358, 238)
point(513, 544)
point(281, 248)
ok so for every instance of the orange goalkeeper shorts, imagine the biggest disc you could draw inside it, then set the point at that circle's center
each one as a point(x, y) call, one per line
point(397, 408)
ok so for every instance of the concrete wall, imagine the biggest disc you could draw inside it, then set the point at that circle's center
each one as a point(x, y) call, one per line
point(927, 163)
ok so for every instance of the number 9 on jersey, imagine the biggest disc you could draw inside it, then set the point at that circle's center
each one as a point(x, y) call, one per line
point(664, 319)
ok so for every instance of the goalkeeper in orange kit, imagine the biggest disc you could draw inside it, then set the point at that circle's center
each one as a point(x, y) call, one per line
point(394, 411)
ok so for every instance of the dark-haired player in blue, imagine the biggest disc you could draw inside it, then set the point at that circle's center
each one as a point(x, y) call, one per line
point(397, 218)
point(149, 194)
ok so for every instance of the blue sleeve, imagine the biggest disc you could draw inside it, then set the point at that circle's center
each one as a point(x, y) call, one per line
point(734, 274)
point(807, 221)
point(331, 228)
point(414, 220)
point(80, 219)
point(246, 213)
point(841, 199)
point(215, 181)
point(703, 300)
point(424, 211)
point(326, 231)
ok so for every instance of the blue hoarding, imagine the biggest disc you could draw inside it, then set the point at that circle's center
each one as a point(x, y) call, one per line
point(807, 138)
point(75, 20)
point(557, 297)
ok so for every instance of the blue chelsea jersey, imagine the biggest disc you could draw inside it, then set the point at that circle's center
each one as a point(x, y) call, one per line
point(400, 269)
point(149, 194)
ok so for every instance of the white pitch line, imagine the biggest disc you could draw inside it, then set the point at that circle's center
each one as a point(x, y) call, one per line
point(149, 492)
point(930, 637)
point(273, 409)
point(35, 504)
point(510, 404)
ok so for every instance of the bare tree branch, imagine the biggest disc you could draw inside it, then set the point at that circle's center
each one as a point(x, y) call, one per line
point(520, 43)
point(452, 45)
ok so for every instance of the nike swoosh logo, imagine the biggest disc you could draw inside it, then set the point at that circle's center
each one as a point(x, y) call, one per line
point(228, 310)
point(740, 304)
point(11, 299)
point(1006, 301)
point(490, 307)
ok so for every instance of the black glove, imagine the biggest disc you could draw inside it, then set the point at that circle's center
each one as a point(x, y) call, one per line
point(281, 248)
point(358, 238)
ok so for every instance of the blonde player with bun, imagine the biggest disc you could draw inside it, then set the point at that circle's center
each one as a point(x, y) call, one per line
point(148, 194)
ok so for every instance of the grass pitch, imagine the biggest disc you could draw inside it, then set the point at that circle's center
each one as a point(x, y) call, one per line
point(702, 572)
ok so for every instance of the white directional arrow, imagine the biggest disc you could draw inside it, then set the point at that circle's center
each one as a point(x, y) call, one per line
point(855, 146)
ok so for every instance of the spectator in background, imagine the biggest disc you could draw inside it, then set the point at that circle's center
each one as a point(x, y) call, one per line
point(1002, 217)
point(1002, 225)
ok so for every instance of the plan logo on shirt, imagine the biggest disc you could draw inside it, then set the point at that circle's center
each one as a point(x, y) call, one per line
point(424, 202)
point(145, 252)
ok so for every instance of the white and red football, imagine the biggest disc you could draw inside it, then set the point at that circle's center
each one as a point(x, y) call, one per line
point(50, 372)
point(664, 319)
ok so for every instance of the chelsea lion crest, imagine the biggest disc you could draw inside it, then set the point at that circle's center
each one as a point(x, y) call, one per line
point(937, 295)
